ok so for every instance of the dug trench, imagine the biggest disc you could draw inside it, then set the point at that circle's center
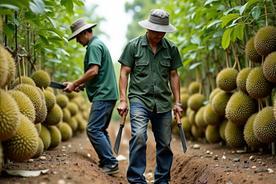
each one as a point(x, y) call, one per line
point(75, 162)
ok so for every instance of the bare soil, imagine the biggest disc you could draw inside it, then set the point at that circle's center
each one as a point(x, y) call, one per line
point(75, 162)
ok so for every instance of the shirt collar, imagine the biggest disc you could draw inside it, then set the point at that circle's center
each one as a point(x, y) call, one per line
point(144, 41)
point(90, 41)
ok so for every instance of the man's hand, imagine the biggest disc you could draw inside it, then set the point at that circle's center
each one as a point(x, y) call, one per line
point(122, 108)
point(70, 87)
point(177, 108)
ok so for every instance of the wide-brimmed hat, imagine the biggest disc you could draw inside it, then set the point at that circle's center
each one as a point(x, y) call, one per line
point(158, 21)
point(78, 26)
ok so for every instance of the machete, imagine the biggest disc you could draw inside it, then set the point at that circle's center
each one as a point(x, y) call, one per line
point(58, 85)
point(181, 133)
point(119, 135)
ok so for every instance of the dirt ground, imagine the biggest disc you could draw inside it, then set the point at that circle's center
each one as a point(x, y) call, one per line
point(75, 162)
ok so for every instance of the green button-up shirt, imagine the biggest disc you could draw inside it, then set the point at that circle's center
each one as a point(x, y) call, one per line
point(150, 74)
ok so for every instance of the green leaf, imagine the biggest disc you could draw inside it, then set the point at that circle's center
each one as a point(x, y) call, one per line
point(68, 5)
point(256, 12)
point(193, 66)
point(247, 5)
point(209, 2)
point(226, 37)
point(227, 18)
point(37, 6)
point(239, 31)
point(9, 6)
point(215, 22)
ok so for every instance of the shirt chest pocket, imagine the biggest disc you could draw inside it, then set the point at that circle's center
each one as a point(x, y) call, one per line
point(165, 66)
point(141, 66)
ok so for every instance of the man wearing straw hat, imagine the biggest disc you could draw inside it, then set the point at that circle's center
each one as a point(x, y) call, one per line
point(101, 88)
point(152, 62)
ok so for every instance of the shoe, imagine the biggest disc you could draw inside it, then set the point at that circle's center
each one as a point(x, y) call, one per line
point(111, 169)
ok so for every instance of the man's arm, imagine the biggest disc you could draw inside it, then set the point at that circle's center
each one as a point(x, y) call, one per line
point(175, 86)
point(123, 83)
point(88, 75)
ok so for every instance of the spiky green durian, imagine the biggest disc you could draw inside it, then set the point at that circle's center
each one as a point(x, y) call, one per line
point(194, 87)
point(220, 101)
point(234, 135)
point(213, 93)
point(55, 136)
point(65, 130)
point(23, 80)
point(222, 129)
point(256, 84)
point(186, 125)
point(62, 100)
point(11, 66)
point(248, 133)
point(199, 117)
point(23, 145)
point(41, 78)
point(45, 137)
point(54, 116)
point(24, 103)
point(184, 100)
point(197, 132)
point(9, 116)
point(73, 108)
point(264, 126)
point(241, 79)
point(210, 116)
point(212, 134)
point(4, 67)
point(269, 67)
point(265, 40)
point(40, 148)
point(66, 115)
point(196, 101)
point(251, 52)
point(50, 99)
point(240, 107)
point(226, 79)
point(41, 113)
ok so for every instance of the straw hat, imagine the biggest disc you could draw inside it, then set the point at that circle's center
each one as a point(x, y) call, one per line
point(158, 21)
point(78, 26)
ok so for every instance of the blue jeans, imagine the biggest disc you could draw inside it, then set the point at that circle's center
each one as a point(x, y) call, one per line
point(162, 130)
point(99, 119)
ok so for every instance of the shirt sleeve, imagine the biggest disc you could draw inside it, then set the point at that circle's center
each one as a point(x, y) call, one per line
point(176, 58)
point(127, 57)
point(94, 55)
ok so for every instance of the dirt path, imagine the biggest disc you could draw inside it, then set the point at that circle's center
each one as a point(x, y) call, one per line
point(75, 162)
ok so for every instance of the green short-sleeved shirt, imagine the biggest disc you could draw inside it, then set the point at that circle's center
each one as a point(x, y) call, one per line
point(150, 74)
point(104, 85)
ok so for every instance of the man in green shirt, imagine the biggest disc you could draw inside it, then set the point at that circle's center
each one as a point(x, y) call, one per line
point(101, 88)
point(151, 61)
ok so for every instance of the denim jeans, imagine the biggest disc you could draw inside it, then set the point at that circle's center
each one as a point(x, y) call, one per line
point(99, 119)
point(162, 130)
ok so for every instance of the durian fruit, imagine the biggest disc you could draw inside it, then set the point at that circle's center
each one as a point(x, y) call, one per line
point(32, 93)
point(199, 117)
point(194, 87)
point(191, 115)
point(54, 116)
point(186, 125)
point(9, 116)
point(213, 93)
point(55, 136)
point(234, 135)
point(62, 100)
point(222, 129)
point(220, 101)
point(45, 137)
point(248, 133)
point(81, 123)
point(50, 99)
point(256, 84)
point(226, 79)
point(265, 40)
point(66, 115)
point(184, 100)
point(24, 103)
point(210, 116)
point(264, 126)
point(274, 108)
point(41, 78)
point(11, 67)
point(41, 113)
point(240, 107)
point(212, 134)
point(73, 108)
point(269, 67)
point(251, 52)
point(40, 148)
point(38, 127)
point(197, 132)
point(241, 79)
point(23, 80)
point(72, 95)
point(73, 124)
point(65, 130)
point(24, 144)
point(4, 67)
point(196, 101)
